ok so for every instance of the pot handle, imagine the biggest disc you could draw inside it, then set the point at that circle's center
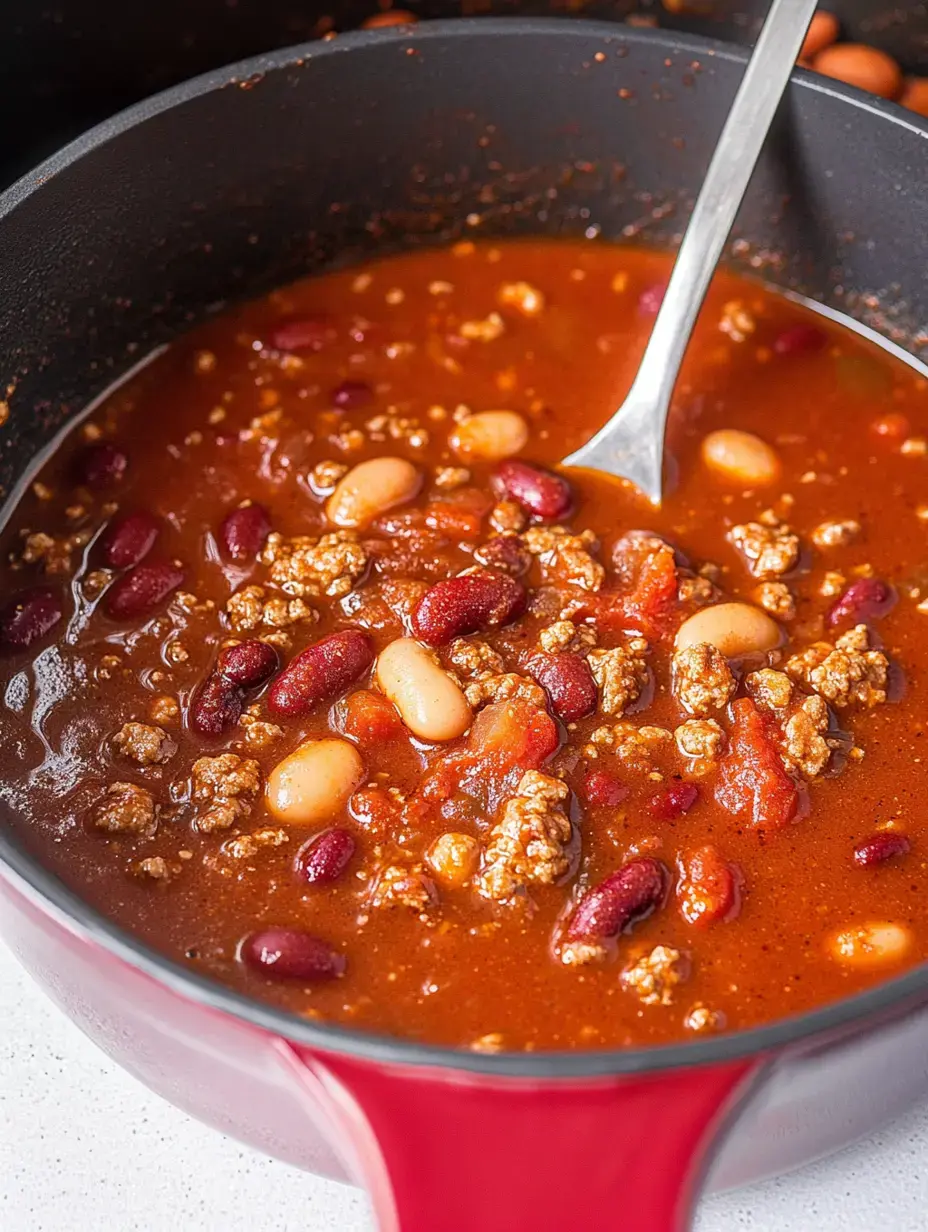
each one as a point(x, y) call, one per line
point(444, 1150)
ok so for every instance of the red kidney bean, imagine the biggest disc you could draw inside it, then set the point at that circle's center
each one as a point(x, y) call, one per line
point(101, 465)
point(466, 604)
point(304, 334)
point(866, 599)
point(799, 340)
point(568, 682)
point(879, 847)
point(290, 954)
point(243, 532)
point(673, 801)
point(351, 395)
point(320, 672)
point(506, 553)
point(325, 857)
point(635, 890)
point(29, 616)
point(605, 789)
point(216, 706)
point(539, 492)
point(128, 540)
point(142, 589)
point(248, 664)
point(651, 298)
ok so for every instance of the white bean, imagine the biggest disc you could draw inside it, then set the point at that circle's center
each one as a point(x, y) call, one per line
point(878, 943)
point(431, 705)
point(314, 782)
point(734, 629)
point(741, 457)
point(371, 488)
point(489, 436)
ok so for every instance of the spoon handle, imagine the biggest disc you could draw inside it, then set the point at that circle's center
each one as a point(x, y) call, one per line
point(636, 432)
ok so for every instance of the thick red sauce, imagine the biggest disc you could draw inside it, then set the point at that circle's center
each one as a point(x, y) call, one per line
point(780, 869)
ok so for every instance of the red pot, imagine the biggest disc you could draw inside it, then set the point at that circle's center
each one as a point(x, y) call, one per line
point(214, 190)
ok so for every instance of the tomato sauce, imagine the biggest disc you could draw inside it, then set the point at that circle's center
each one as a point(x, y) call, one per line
point(457, 745)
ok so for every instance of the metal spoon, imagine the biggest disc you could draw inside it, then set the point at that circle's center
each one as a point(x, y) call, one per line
point(631, 445)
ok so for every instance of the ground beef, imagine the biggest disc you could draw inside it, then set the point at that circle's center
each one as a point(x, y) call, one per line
point(564, 636)
point(702, 679)
point(400, 885)
point(53, 553)
point(254, 609)
point(153, 868)
point(564, 556)
point(769, 551)
point(143, 744)
point(702, 738)
point(507, 517)
point(800, 720)
point(654, 977)
point(503, 688)
point(777, 599)
point(244, 846)
point(835, 534)
point(126, 809)
point(634, 746)
point(695, 590)
point(847, 673)
point(473, 659)
point(770, 689)
point(306, 568)
point(225, 787)
point(620, 674)
point(527, 845)
point(259, 733)
point(737, 321)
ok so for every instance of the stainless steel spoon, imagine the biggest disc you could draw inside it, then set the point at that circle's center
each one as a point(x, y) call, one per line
point(631, 445)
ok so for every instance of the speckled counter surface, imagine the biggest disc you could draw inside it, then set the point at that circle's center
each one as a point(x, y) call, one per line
point(83, 1146)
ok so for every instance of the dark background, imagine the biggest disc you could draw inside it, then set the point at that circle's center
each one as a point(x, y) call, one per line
point(67, 64)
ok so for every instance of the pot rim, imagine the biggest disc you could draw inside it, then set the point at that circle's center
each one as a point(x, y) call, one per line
point(42, 887)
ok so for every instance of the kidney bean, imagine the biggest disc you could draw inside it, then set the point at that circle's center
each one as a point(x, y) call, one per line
point(29, 616)
point(879, 847)
point(142, 589)
point(864, 600)
point(604, 789)
point(651, 298)
point(243, 532)
point(466, 604)
point(709, 887)
point(628, 894)
point(351, 395)
point(290, 954)
point(568, 682)
point(304, 334)
point(101, 465)
point(799, 340)
point(216, 706)
point(538, 492)
point(126, 541)
point(320, 672)
point(673, 801)
point(248, 664)
point(325, 857)
point(506, 553)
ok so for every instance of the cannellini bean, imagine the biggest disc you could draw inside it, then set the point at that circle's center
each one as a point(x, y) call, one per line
point(868, 68)
point(314, 782)
point(371, 488)
point(741, 457)
point(878, 943)
point(453, 857)
point(489, 436)
point(431, 705)
point(734, 629)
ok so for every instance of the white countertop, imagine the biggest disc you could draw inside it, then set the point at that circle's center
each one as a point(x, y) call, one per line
point(84, 1147)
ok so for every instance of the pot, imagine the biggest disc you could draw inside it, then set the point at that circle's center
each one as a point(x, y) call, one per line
point(251, 176)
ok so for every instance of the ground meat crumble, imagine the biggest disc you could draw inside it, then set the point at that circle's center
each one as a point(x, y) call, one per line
point(143, 744)
point(527, 844)
point(654, 976)
point(621, 674)
point(847, 673)
point(702, 679)
point(769, 551)
point(400, 885)
point(126, 809)
point(254, 609)
point(225, 787)
point(565, 556)
point(703, 738)
point(308, 568)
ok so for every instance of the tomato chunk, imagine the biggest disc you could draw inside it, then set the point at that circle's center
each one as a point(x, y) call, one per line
point(650, 605)
point(370, 718)
point(752, 784)
point(708, 889)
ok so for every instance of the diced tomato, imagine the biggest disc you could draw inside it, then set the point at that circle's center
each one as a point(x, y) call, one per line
point(752, 784)
point(601, 788)
point(709, 887)
point(370, 718)
point(455, 521)
point(376, 810)
point(650, 606)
